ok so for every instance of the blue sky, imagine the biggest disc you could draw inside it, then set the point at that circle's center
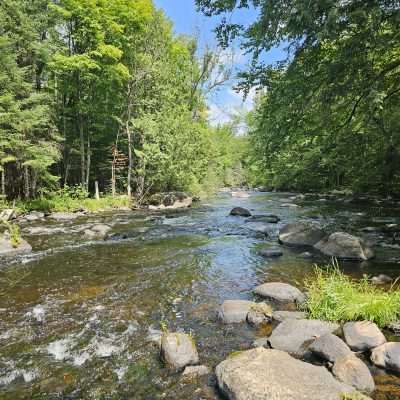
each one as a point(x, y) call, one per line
point(187, 20)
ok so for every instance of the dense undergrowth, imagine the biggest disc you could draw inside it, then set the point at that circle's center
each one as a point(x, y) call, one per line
point(334, 296)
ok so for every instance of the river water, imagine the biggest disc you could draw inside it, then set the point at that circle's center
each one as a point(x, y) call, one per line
point(77, 325)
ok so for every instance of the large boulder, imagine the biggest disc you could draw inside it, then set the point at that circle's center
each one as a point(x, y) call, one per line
point(351, 370)
point(363, 335)
point(295, 335)
point(240, 212)
point(281, 292)
point(329, 347)
point(344, 246)
point(387, 356)
point(235, 311)
point(265, 374)
point(170, 200)
point(178, 350)
point(7, 249)
point(301, 234)
point(34, 216)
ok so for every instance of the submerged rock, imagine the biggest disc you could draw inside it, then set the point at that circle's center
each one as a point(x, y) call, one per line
point(7, 249)
point(295, 335)
point(387, 356)
point(330, 347)
point(178, 350)
point(240, 212)
point(345, 246)
point(267, 374)
point(351, 370)
point(363, 335)
point(270, 253)
point(281, 292)
point(270, 219)
point(235, 311)
point(98, 231)
point(301, 234)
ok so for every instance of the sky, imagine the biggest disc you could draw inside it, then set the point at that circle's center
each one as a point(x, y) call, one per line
point(226, 102)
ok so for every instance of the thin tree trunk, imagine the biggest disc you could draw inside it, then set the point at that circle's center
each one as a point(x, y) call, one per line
point(88, 163)
point(26, 181)
point(3, 181)
point(82, 151)
point(96, 190)
point(130, 163)
point(113, 184)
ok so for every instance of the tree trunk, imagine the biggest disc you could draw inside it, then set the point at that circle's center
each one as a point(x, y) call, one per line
point(88, 163)
point(3, 181)
point(82, 151)
point(26, 182)
point(96, 190)
point(130, 163)
point(113, 178)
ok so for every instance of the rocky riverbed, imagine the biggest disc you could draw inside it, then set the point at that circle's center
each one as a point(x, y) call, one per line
point(86, 320)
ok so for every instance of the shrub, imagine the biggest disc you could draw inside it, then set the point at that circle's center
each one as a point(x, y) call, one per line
point(334, 296)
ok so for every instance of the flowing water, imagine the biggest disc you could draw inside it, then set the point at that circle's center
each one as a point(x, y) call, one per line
point(78, 325)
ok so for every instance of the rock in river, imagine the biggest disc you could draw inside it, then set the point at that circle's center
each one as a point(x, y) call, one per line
point(387, 356)
point(259, 313)
point(7, 249)
point(98, 231)
point(270, 253)
point(329, 347)
point(280, 316)
point(240, 212)
point(295, 335)
point(363, 335)
point(265, 374)
point(301, 234)
point(281, 292)
point(345, 246)
point(235, 311)
point(178, 350)
point(351, 370)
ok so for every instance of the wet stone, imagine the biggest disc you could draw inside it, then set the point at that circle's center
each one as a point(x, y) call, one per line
point(387, 356)
point(329, 347)
point(281, 292)
point(363, 335)
point(235, 311)
point(240, 212)
point(178, 350)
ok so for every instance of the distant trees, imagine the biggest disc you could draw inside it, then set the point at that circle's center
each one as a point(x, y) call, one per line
point(101, 91)
point(330, 113)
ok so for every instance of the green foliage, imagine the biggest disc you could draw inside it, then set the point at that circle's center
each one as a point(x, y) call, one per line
point(328, 116)
point(14, 232)
point(334, 296)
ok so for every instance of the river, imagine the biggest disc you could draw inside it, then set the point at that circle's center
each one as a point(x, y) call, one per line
point(77, 325)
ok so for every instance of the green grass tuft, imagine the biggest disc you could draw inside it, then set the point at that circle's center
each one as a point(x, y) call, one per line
point(334, 296)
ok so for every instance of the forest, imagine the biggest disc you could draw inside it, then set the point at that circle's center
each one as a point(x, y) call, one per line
point(328, 114)
point(103, 91)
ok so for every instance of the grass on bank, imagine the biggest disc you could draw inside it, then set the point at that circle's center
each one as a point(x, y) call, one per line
point(334, 296)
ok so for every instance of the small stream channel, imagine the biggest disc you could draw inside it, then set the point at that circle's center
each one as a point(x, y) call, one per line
point(77, 325)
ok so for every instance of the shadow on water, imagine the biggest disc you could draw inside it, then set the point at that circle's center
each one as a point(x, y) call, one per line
point(77, 326)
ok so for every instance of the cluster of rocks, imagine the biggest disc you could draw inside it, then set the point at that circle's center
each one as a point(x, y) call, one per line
point(169, 201)
point(279, 366)
point(340, 245)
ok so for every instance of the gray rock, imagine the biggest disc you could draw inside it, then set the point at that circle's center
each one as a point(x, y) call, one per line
point(295, 335)
point(301, 234)
point(270, 219)
point(259, 313)
point(261, 342)
point(240, 212)
point(306, 255)
point(98, 231)
point(363, 335)
point(352, 371)
point(34, 216)
point(270, 253)
point(235, 311)
point(387, 356)
point(7, 214)
point(281, 292)
point(6, 249)
point(259, 227)
point(329, 347)
point(344, 246)
point(178, 350)
point(381, 279)
point(154, 336)
point(196, 370)
point(65, 216)
point(283, 315)
point(264, 374)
